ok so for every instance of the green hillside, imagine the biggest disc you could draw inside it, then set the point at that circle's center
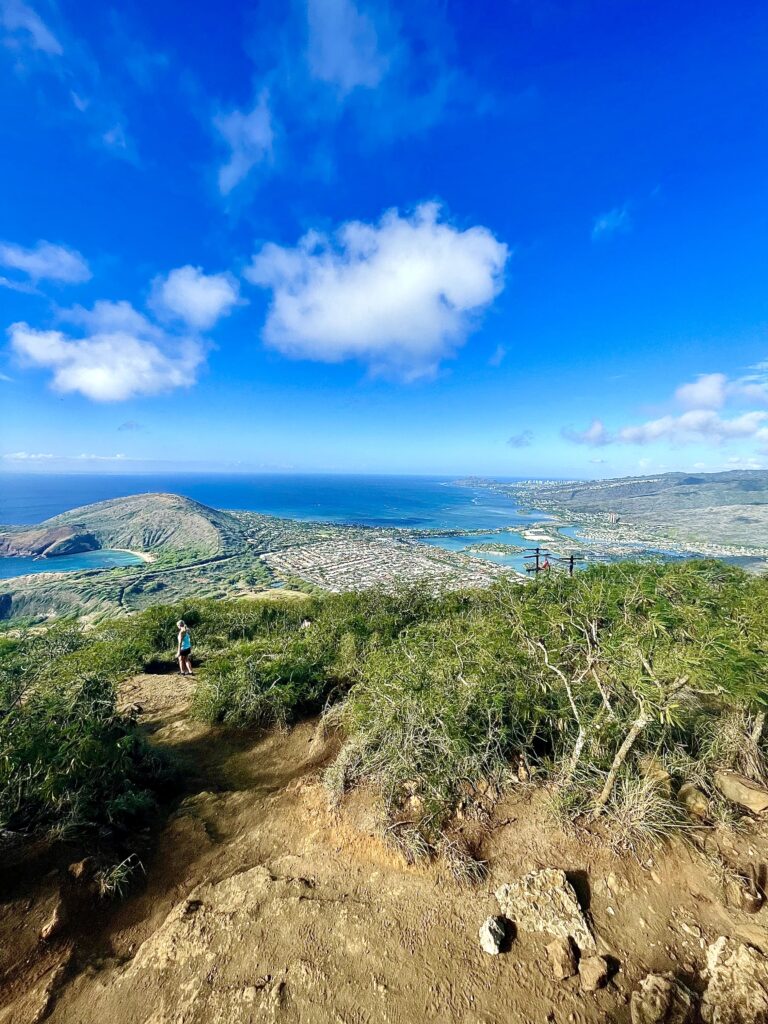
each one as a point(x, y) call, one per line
point(141, 522)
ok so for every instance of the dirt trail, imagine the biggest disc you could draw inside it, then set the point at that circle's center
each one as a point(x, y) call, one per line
point(263, 904)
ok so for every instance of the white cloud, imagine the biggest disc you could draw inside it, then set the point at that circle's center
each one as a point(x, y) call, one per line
point(46, 261)
point(614, 222)
point(18, 286)
point(27, 456)
point(743, 462)
point(249, 137)
point(708, 391)
point(47, 456)
point(400, 295)
point(695, 425)
point(119, 355)
point(714, 390)
point(703, 421)
point(197, 298)
point(88, 457)
point(343, 46)
point(595, 434)
point(27, 27)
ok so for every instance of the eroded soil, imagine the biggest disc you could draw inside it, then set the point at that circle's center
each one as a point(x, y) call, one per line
point(263, 903)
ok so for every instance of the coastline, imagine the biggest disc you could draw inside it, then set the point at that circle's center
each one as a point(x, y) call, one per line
point(145, 556)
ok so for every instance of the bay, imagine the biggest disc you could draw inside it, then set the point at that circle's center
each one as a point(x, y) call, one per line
point(16, 565)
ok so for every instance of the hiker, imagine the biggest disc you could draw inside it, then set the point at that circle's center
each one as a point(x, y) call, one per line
point(544, 565)
point(184, 650)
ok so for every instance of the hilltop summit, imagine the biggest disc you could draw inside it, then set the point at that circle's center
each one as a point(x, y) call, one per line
point(140, 522)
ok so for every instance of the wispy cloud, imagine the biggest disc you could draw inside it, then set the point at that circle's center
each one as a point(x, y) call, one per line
point(595, 434)
point(498, 356)
point(75, 81)
point(249, 137)
point(399, 295)
point(25, 28)
point(344, 46)
point(521, 440)
point(44, 262)
point(130, 425)
point(614, 222)
point(694, 426)
point(388, 72)
point(49, 456)
point(27, 456)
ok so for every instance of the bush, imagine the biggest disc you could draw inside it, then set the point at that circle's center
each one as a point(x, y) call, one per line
point(590, 673)
point(69, 763)
point(587, 680)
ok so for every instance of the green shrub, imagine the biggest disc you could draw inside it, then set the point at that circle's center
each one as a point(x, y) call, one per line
point(585, 674)
point(69, 763)
point(587, 680)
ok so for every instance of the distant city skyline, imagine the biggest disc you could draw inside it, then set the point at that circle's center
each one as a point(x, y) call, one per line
point(514, 240)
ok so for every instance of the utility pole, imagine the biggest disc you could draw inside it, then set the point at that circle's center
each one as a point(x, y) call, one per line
point(536, 557)
point(570, 561)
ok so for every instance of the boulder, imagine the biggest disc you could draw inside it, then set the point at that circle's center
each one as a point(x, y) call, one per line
point(492, 934)
point(742, 791)
point(662, 999)
point(593, 972)
point(545, 901)
point(562, 959)
point(693, 800)
point(737, 991)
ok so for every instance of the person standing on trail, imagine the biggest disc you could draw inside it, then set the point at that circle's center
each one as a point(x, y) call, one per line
point(184, 649)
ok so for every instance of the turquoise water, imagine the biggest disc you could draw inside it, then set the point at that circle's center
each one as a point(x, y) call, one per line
point(461, 543)
point(18, 566)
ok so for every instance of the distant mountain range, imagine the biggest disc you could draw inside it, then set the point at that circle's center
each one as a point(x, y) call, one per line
point(667, 491)
point(715, 511)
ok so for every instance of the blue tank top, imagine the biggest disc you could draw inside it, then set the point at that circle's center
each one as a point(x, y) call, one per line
point(186, 642)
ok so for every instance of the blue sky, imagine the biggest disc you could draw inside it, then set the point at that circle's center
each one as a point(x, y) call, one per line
point(513, 238)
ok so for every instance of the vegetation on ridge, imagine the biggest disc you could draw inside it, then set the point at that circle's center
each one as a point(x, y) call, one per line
point(615, 686)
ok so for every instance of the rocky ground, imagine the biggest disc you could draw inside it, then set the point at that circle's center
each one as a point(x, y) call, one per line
point(261, 902)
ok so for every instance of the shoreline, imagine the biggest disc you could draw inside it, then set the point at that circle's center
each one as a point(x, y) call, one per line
point(145, 556)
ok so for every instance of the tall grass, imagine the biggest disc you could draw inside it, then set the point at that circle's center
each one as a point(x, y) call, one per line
point(585, 680)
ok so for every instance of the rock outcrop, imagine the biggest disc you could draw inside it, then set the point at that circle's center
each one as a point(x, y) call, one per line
point(662, 999)
point(737, 991)
point(545, 901)
point(742, 791)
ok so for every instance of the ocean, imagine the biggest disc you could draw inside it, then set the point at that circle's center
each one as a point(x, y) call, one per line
point(406, 501)
point(436, 503)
